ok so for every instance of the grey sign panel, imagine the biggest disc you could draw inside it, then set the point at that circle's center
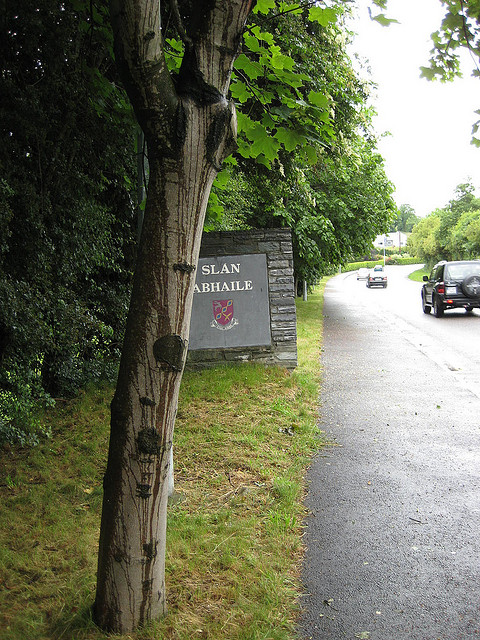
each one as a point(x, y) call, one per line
point(230, 304)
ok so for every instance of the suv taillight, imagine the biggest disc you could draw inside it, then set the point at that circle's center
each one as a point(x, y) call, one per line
point(441, 288)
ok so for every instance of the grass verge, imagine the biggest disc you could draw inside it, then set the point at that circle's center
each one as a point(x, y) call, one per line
point(244, 436)
point(417, 276)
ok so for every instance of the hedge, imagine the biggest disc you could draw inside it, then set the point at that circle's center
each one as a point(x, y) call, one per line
point(354, 266)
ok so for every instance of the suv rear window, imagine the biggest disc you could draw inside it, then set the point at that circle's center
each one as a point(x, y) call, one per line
point(461, 271)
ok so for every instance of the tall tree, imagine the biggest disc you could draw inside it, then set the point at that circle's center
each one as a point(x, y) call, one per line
point(189, 126)
point(423, 242)
point(451, 233)
point(405, 220)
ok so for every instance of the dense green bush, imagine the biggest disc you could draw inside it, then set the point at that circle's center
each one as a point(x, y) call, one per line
point(19, 417)
point(67, 221)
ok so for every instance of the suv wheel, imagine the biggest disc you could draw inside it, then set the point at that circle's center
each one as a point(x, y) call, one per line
point(438, 307)
point(471, 286)
point(426, 307)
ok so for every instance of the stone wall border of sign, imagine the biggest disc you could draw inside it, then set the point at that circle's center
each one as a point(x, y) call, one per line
point(275, 328)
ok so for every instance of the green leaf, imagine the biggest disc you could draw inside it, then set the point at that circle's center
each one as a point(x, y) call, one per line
point(252, 43)
point(281, 61)
point(268, 122)
point(291, 8)
point(251, 68)
point(264, 144)
point(176, 45)
point(383, 20)
point(311, 154)
point(265, 36)
point(244, 123)
point(428, 73)
point(222, 179)
point(231, 161)
point(289, 138)
point(323, 16)
point(283, 111)
point(453, 22)
point(240, 91)
point(264, 6)
point(268, 97)
point(174, 54)
point(318, 99)
point(243, 149)
point(215, 211)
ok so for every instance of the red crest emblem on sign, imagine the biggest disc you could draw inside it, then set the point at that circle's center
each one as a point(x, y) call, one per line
point(223, 311)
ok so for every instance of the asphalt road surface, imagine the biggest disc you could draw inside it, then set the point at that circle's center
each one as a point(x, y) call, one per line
point(393, 535)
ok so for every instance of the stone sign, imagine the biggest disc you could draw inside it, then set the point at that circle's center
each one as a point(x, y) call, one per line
point(230, 303)
point(244, 301)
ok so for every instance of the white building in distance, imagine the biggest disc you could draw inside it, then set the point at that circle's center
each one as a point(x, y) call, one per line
point(397, 240)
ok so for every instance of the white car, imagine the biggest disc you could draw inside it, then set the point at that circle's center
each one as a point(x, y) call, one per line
point(362, 273)
point(377, 278)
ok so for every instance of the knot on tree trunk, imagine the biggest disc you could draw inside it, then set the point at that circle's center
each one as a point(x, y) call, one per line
point(170, 351)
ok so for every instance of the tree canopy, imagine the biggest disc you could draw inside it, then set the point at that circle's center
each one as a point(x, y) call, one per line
point(324, 179)
point(405, 220)
point(458, 32)
point(451, 233)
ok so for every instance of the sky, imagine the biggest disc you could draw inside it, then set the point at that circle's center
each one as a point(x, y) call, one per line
point(428, 152)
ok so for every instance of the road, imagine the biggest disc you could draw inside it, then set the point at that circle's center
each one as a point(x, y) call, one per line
point(452, 341)
point(393, 544)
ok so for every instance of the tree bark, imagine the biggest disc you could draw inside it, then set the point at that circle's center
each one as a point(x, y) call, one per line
point(189, 128)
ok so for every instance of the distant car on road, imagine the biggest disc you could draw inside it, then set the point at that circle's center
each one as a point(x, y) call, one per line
point(362, 273)
point(377, 277)
point(452, 285)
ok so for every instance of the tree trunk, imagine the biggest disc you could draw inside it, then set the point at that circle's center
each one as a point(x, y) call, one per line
point(189, 131)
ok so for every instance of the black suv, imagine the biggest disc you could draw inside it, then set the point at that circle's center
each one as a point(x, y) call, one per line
point(452, 285)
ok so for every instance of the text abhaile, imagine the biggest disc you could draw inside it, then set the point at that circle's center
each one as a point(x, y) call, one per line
point(218, 287)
